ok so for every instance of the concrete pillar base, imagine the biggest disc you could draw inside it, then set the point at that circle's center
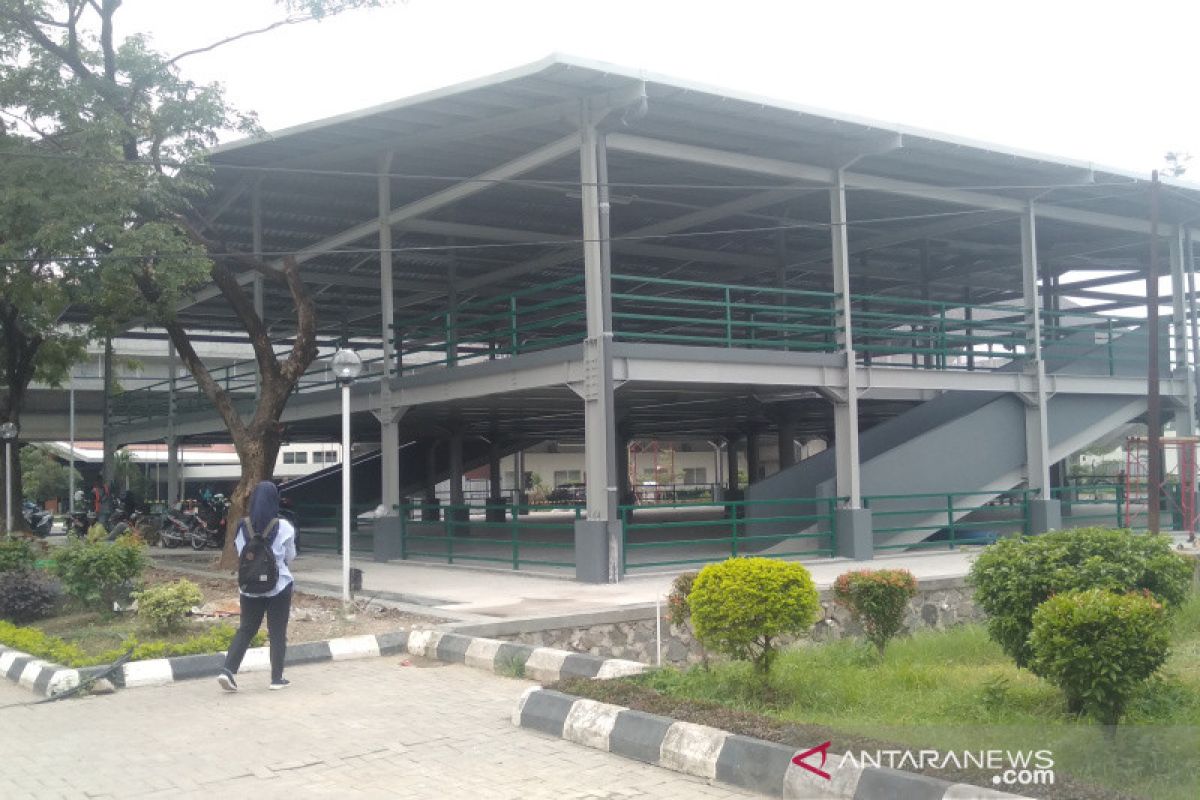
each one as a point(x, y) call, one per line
point(388, 544)
point(1044, 515)
point(593, 549)
point(496, 509)
point(855, 533)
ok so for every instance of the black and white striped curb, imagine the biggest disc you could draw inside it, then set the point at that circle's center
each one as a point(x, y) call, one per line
point(40, 677)
point(537, 663)
point(741, 761)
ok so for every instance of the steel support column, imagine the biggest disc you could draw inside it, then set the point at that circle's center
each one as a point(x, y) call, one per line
point(456, 474)
point(1179, 323)
point(597, 539)
point(752, 460)
point(787, 438)
point(389, 428)
point(845, 410)
point(172, 440)
point(1037, 434)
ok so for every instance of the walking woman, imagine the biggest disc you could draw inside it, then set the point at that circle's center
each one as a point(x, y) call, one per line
point(278, 542)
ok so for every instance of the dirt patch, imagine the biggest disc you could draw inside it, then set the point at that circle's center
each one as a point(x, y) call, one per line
point(313, 619)
point(801, 736)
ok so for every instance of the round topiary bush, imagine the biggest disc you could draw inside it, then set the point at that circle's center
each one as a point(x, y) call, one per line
point(1014, 576)
point(876, 600)
point(1098, 647)
point(27, 595)
point(741, 607)
point(164, 607)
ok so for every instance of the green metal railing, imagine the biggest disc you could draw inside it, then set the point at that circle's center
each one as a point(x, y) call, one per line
point(939, 335)
point(238, 379)
point(932, 512)
point(1090, 342)
point(464, 533)
point(722, 315)
point(742, 527)
point(1103, 503)
point(320, 526)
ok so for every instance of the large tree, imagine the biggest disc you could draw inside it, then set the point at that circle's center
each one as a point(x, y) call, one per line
point(67, 73)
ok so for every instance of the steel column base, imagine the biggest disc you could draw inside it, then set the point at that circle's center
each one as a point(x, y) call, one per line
point(388, 544)
point(593, 549)
point(855, 533)
point(1044, 515)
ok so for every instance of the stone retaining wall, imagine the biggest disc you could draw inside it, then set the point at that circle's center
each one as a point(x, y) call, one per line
point(630, 633)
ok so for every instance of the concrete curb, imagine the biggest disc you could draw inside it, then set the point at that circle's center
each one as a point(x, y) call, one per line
point(506, 658)
point(715, 755)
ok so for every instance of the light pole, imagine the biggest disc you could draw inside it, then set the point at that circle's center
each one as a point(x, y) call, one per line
point(346, 367)
point(8, 432)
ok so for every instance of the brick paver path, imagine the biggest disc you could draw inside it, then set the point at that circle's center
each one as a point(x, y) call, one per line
point(370, 728)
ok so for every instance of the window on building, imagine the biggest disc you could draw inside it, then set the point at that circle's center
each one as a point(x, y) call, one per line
point(331, 456)
point(695, 475)
point(295, 458)
point(318, 457)
point(562, 476)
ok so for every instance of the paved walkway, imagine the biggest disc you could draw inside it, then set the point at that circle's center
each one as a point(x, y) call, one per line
point(370, 728)
point(472, 594)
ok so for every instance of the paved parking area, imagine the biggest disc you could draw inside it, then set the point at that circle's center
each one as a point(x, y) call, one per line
point(360, 729)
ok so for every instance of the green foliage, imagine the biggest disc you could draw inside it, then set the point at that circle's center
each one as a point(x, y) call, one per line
point(100, 573)
point(1099, 647)
point(129, 474)
point(16, 555)
point(52, 648)
point(742, 606)
point(43, 476)
point(1014, 576)
point(26, 596)
point(678, 611)
point(165, 606)
point(876, 600)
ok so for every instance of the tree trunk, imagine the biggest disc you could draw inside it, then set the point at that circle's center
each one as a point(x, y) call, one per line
point(257, 452)
point(12, 402)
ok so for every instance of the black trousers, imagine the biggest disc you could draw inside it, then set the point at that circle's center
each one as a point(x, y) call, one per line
point(277, 608)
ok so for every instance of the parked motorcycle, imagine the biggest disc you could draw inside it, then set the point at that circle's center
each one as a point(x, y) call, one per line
point(175, 528)
point(79, 522)
point(39, 520)
point(141, 522)
point(208, 528)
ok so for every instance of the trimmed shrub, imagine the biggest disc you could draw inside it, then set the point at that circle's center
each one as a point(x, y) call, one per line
point(876, 600)
point(16, 555)
point(741, 607)
point(1014, 576)
point(26, 595)
point(164, 607)
point(1098, 647)
point(98, 574)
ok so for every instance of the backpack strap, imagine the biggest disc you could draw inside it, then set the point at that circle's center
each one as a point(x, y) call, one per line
point(272, 529)
point(249, 528)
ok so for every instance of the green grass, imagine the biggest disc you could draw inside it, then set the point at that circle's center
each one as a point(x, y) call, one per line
point(956, 690)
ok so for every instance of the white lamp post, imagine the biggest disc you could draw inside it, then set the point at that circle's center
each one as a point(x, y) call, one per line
point(8, 432)
point(346, 367)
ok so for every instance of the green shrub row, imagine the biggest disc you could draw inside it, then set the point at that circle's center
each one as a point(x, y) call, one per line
point(164, 607)
point(51, 648)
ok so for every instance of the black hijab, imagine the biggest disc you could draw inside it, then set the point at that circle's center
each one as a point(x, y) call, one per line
point(264, 505)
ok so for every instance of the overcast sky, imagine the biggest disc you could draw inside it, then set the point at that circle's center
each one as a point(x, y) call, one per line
point(1106, 81)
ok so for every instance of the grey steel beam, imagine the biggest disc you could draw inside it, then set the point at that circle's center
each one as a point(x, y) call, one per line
point(788, 170)
point(681, 223)
point(546, 154)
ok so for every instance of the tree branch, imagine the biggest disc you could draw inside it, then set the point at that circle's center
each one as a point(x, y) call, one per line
point(304, 347)
point(243, 35)
point(243, 307)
